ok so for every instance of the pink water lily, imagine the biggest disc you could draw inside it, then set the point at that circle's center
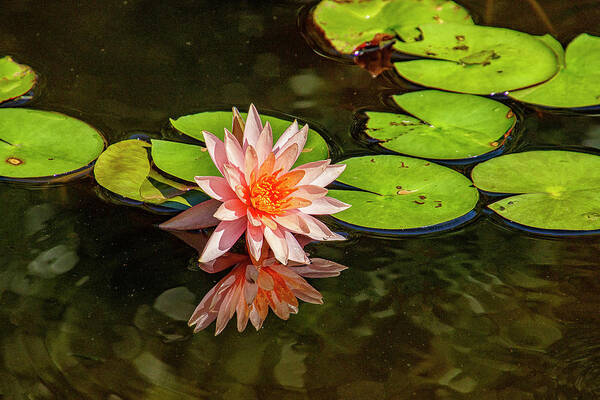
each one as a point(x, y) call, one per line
point(260, 194)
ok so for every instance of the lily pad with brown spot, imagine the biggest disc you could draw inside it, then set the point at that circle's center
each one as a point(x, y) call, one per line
point(402, 193)
point(554, 189)
point(348, 24)
point(443, 126)
point(36, 144)
point(476, 59)
point(15, 79)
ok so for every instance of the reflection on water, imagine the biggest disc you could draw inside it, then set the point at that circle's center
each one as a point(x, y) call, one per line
point(94, 300)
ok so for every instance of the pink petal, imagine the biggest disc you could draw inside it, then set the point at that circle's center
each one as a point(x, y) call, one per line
point(285, 136)
point(264, 145)
point(253, 217)
point(254, 240)
point(253, 127)
point(234, 177)
point(324, 206)
point(330, 175)
point(317, 229)
point(243, 312)
point(231, 210)
point(309, 192)
point(298, 138)
point(199, 216)
point(277, 243)
point(216, 149)
point(312, 171)
point(228, 308)
point(286, 159)
point(295, 251)
point(251, 164)
point(292, 221)
point(224, 236)
point(265, 280)
point(233, 150)
point(216, 187)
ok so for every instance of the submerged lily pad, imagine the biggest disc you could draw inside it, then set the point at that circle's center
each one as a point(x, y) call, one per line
point(402, 193)
point(443, 125)
point(577, 83)
point(476, 59)
point(184, 161)
point(124, 169)
point(15, 79)
point(215, 122)
point(42, 144)
point(347, 24)
point(558, 190)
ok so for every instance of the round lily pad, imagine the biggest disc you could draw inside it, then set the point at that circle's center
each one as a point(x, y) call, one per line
point(215, 121)
point(557, 190)
point(577, 83)
point(42, 144)
point(476, 59)
point(124, 169)
point(402, 193)
point(15, 79)
point(347, 24)
point(445, 126)
point(184, 161)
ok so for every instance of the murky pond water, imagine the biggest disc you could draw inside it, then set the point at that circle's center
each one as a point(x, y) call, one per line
point(94, 299)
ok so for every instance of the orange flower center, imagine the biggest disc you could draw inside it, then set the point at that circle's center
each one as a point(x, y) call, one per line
point(268, 194)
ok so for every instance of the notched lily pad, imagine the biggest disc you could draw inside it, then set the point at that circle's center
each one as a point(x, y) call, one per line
point(444, 126)
point(557, 190)
point(215, 122)
point(403, 193)
point(36, 144)
point(15, 79)
point(348, 24)
point(476, 59)
point(577, 83)
point(125, 169)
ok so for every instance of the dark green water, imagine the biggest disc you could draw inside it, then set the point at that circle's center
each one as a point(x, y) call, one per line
point(94, 300)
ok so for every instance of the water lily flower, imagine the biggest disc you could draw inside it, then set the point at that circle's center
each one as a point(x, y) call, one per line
point(260, 194)
point(250, 290)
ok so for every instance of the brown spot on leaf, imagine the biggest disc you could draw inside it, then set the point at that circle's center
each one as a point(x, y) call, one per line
point(460, 38)
point(494, 144)
point(461, 47)
point(510, 114)
point(419, 202)
point(422, 197)
point(14, 161)
point(402, 165)
point(501, 208)
point(427, 164)
point(430, 53)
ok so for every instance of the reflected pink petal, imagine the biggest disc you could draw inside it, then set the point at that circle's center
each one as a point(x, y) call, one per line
point(199, 216)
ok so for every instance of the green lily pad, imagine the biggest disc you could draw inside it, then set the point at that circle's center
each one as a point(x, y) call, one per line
point(558, 190)
point(15, 79)
point(476, 59)
point(448, 126)
point(577, 83)
point(42, 144)
point(347, 24)
point(184, 161)
point(403, 193)
point(124, 169)
point(215, 122)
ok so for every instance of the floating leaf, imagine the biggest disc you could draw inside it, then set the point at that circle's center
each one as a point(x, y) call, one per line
point(124, 169)
point(182, 160)
point(447, 125)
point(403, 193)
point(347, 24)
point(577, 83)
point(15, 79)
point(476, 59)
point(42, 144)
point(558, 190)
point(215, 122)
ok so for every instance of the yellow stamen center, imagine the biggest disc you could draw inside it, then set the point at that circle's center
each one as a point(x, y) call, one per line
point(268, 194)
